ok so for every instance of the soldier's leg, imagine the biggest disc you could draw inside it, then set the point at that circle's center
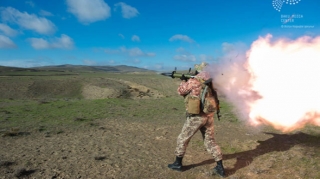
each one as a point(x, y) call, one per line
point(190, 127)
point(203, 132)
point(209, 141)
point(211, 146)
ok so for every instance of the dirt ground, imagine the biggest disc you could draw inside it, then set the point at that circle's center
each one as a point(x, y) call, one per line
point(117, 148)
point(113, 148)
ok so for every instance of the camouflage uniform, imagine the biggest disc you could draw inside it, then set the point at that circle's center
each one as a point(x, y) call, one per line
point(202, 121)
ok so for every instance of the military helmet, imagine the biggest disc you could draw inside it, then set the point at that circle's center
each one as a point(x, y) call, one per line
point(200, 67)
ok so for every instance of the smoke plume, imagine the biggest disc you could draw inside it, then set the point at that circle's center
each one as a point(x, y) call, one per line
point(275, 82)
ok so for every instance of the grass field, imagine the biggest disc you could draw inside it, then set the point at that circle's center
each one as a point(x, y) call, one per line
point(58, 124)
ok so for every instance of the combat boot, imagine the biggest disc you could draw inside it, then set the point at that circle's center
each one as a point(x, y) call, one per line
point(219, 170)
point(177, 165)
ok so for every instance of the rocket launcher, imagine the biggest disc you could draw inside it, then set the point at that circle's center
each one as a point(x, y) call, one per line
point(174, 74)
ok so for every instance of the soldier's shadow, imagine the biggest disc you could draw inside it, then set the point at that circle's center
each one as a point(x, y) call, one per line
point(279, 142)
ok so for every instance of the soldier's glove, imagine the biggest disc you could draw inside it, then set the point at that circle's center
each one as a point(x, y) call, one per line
point(183, 78)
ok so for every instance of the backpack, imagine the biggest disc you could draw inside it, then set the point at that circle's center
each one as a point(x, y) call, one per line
point(206, 102)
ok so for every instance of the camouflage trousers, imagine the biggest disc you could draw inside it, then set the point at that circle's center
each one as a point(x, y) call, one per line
point(204, 123)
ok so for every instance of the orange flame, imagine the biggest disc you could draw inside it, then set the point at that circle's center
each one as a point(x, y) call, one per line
point(275, 83)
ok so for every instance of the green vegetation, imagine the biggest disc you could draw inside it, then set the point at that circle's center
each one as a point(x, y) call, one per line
point(27, 113)
point(228, 111)
point(53, 97)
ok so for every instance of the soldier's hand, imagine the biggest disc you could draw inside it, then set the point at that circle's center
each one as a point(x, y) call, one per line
point(183, 78)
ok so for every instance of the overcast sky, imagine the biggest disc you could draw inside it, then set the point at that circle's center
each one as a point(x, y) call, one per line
point(150, 34)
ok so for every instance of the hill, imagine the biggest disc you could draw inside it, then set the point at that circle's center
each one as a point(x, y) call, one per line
point(76, 68)
point(14, 69)
point(119, 68)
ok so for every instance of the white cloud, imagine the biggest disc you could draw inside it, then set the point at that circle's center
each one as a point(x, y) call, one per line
point(135, 38)
point(184, 55)
point(45, 13)
point(28, 21)
point(127, 10)
point(39, 43)
point(89, 62)
point(158, 66)
point(227, 47)
point(185, 58)
point(8, 30)
point(88, 11)
point(230, 47)
point(180, 50)
point(136, 52)
point(133, 52)
point(111, 62)
point(122, 36)
point(111, 51)
point(30, 3)
point(64, 42)
point(205, 58)
point(6, 42)
point(182, 38)
point(25, 63)
point(134, 61)
point(234, 50)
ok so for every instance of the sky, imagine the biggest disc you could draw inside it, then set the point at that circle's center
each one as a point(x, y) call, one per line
point(151, 34)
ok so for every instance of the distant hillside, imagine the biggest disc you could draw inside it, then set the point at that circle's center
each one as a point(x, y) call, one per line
point(15, 69)
point(119, 68)
point(77, 68)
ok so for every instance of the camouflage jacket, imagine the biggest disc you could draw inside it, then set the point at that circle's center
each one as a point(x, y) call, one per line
point(193, 89)
point(193, 86)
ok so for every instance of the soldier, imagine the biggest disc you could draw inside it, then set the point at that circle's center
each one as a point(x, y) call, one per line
point(199, 117)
